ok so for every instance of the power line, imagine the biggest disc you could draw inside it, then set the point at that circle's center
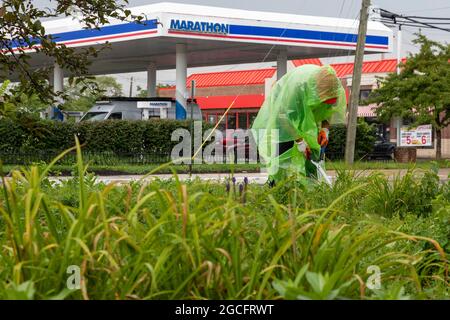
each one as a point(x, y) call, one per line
point(406, 20)
point(429, 18)
point(440, 23)
point(432, 9)
point(337, 28)
point(417, 25)
point(332, 59)
point(427, 24)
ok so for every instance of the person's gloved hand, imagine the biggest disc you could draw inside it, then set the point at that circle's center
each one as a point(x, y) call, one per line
point(308, 153)
point(301, 145)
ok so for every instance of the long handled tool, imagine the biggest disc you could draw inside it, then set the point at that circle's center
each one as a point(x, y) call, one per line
point(322, 173)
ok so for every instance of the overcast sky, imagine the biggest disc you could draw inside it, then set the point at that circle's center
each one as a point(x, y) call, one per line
point(332, 8)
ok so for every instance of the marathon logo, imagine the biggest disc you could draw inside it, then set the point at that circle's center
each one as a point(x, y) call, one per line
point(198, 26)
point(162, 104)
point(153, 104)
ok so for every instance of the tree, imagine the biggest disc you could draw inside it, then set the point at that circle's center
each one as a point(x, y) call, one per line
point(6, 108)
point(81, 99)
point(421, 91)
point(23, 103)
point(78, 97)
point(141, 92)
point(22, 30)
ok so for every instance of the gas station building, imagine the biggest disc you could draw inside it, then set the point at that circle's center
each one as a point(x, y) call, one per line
point(178, 36)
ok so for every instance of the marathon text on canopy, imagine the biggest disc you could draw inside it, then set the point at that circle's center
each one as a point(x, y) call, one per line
point(199, 26)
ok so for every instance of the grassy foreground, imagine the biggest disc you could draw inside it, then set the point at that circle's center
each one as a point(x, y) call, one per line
point(204, 240)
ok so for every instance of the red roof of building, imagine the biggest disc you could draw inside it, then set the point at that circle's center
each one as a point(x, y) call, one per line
point(258, 76)
point(301, 62)
point(230, 78)
point(379, 66)
point(344, 69)
point(223, 102)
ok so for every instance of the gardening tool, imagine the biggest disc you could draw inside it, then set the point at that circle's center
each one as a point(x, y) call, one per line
point(322, 174)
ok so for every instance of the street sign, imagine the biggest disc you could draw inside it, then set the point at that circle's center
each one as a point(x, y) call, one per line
point(421, 136)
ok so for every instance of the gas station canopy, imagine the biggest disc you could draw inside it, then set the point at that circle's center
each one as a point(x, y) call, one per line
point(212, 36)
point(180, 36)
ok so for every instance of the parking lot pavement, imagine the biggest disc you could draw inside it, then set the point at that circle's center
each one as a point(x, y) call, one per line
point(258, 178)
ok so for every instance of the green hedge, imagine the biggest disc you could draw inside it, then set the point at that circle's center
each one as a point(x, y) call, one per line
point(28, 136)
point(365, 137)
point(37, 138)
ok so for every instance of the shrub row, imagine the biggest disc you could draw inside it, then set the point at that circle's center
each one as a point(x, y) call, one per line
point(38, 138)
point(29, 136)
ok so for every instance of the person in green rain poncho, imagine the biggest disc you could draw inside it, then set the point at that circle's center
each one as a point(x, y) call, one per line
point(287, 126)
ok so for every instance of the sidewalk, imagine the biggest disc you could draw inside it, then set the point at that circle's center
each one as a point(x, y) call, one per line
point(259, 178)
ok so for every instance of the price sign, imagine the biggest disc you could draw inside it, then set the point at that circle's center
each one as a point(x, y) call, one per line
point(420, 136)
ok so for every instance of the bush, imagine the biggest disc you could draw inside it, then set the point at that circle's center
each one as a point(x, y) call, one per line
point(365, 137)
point(402, 195)
point(12, 134)
point(40, 139)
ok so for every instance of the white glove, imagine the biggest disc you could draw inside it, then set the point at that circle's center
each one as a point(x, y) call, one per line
point(301, 146)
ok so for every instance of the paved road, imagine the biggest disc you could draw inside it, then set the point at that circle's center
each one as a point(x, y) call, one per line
point(259, 178)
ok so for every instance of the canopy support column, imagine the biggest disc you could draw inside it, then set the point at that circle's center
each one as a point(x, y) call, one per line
point(151, 80)
point(58, 85)
point(181, 77)
point(281, 63)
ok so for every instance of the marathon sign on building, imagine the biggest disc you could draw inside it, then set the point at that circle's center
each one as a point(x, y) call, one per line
point(153, 104)
point(199, 26)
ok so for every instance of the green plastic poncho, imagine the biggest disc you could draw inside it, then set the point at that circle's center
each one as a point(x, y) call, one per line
point(294, 110)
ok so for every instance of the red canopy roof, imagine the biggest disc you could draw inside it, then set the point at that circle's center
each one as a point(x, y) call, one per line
point(252, 77)
point(379, 66)
point(230, 78)
point(344, 69)
point(301, 62)
point(223, 102)
point(258, 76)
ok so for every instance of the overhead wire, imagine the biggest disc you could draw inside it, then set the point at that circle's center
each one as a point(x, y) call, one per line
point(400, 20)
point(417, 25)
point(429, 18)
point(427, 24)
point(338, 27)
point(392, 19)
point(427, 9)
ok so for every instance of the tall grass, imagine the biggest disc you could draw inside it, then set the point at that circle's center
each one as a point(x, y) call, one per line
point(195, 240)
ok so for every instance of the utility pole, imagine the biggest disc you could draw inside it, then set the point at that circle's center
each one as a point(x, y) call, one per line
point(192, 125)
point(399, 47)
point(399, 59)
point(356, 83)
point(131, 87)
